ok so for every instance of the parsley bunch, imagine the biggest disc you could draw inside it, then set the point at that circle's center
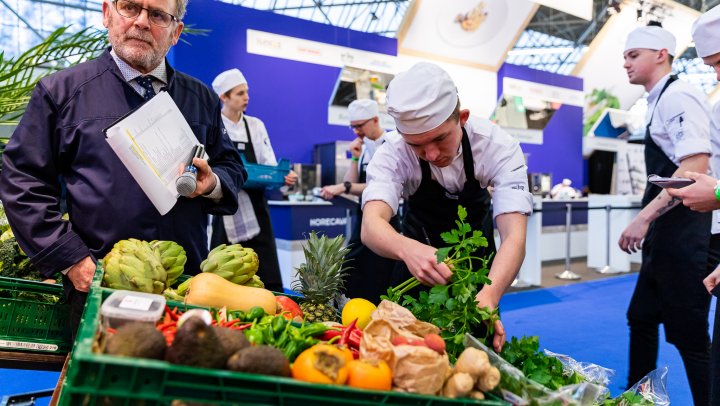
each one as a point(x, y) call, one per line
point(452, 307)
point(525, 355)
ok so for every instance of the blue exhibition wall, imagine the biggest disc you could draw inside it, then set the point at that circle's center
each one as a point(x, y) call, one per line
point(561, 151)
point(290, 97)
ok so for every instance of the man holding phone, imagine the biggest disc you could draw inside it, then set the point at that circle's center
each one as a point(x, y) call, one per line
point(668, 290)
point(704, 194)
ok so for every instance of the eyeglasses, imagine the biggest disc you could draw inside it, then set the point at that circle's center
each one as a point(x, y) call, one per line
point(128, 9)
point(359, 126)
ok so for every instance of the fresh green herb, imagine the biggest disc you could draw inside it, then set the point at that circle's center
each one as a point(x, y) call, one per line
point(452, 307)
point(525, 355)
point(627, 398)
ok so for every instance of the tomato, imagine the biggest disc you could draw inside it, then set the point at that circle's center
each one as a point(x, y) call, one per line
point(289, 309)
point(369, 374)
point(321, 363)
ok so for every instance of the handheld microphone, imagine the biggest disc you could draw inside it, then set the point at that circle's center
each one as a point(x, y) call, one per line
point(187, 182)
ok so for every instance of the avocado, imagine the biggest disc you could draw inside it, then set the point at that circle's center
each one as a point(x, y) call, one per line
point(196, 344)
point(231, 341)
point(137, 339)
point(260, 359)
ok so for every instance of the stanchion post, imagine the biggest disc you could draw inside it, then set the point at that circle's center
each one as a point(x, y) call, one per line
point(568, 274)
point(348, 226)
point(607, 269)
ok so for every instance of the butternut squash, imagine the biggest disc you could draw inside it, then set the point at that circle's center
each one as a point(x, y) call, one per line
point(208, 289)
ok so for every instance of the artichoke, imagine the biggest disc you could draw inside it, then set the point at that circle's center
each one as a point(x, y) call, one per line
point(134, 265)
point(172, 257)
point(232, 262)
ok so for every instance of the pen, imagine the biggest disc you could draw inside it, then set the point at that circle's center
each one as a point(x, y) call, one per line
point(427, 239)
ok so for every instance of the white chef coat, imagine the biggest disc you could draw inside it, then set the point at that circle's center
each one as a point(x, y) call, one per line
point(395, 172)
point(243, 225)
point(369, 148)
point(260, 140)
point(680, 122)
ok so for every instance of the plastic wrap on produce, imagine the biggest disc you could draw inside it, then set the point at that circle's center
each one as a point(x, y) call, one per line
point(591, 372)
point(649, 390)
point(516, 389)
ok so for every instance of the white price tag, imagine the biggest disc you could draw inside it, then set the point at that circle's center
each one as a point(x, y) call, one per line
point(135, 303)
point(27, 346)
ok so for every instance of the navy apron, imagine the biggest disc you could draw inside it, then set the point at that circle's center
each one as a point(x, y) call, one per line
point(370, 274)
point(263, 243)
point(432, 210)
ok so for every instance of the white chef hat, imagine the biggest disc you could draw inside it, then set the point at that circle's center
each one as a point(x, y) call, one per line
point(228, 80)
point(363, 109)
point(706, 33)
point(421, 99)
point(651, 37)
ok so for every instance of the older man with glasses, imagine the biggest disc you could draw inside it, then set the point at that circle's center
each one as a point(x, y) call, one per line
point(59, 146)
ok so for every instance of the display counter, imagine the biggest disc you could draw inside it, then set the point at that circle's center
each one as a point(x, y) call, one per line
point(293, 221)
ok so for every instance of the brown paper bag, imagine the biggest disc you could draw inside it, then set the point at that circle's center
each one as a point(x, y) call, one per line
point(415, 369)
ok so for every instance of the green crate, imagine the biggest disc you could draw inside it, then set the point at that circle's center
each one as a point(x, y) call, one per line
point(28, 324)
point(97, 379)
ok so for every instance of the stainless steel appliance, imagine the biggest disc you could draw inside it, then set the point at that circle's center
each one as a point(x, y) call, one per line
point(308, 178)
point(540, 183)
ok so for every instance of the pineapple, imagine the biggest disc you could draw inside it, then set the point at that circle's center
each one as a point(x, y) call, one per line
point(321, 276)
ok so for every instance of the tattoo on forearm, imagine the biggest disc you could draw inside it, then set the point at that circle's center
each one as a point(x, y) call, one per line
point(670, 204)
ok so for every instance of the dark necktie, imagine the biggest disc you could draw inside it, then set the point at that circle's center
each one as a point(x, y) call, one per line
point(146, 83)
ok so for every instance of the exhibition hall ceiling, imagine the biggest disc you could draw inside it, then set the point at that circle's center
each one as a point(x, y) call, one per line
point(555, 38)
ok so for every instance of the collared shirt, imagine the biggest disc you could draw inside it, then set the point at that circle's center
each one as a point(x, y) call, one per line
point(394, 171)
point(160, 79)
point(259, 137)
point(159, 74)
point(680, 121)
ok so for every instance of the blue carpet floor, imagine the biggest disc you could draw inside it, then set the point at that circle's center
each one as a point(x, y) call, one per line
point(584, 320)
point(587, 322)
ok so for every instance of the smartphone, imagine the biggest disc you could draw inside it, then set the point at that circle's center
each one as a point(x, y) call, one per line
point(716, 291)
point(670, 182)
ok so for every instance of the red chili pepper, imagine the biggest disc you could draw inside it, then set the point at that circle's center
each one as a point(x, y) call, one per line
point(166, 326)
point(355, 353)
point(330, 334)
point(240, 328)
point(172, 313)
point(346, 332)
point(231, 323)
point(169, 336)
point(354, 338)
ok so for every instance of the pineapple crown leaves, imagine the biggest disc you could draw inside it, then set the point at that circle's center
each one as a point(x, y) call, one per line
point(324, 269)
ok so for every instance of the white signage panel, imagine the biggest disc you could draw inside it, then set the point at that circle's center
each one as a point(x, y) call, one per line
point(302, 50)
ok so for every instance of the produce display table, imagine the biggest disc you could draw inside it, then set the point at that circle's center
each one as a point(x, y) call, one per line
point(98, 378)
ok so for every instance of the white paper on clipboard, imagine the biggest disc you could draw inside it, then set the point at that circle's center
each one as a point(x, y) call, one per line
point(154, 142)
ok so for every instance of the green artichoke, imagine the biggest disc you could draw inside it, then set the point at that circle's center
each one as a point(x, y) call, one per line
point(134, 265)
point(172, 257)
point(232, 262)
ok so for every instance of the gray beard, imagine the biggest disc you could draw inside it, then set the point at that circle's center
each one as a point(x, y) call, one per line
point(143, 62)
